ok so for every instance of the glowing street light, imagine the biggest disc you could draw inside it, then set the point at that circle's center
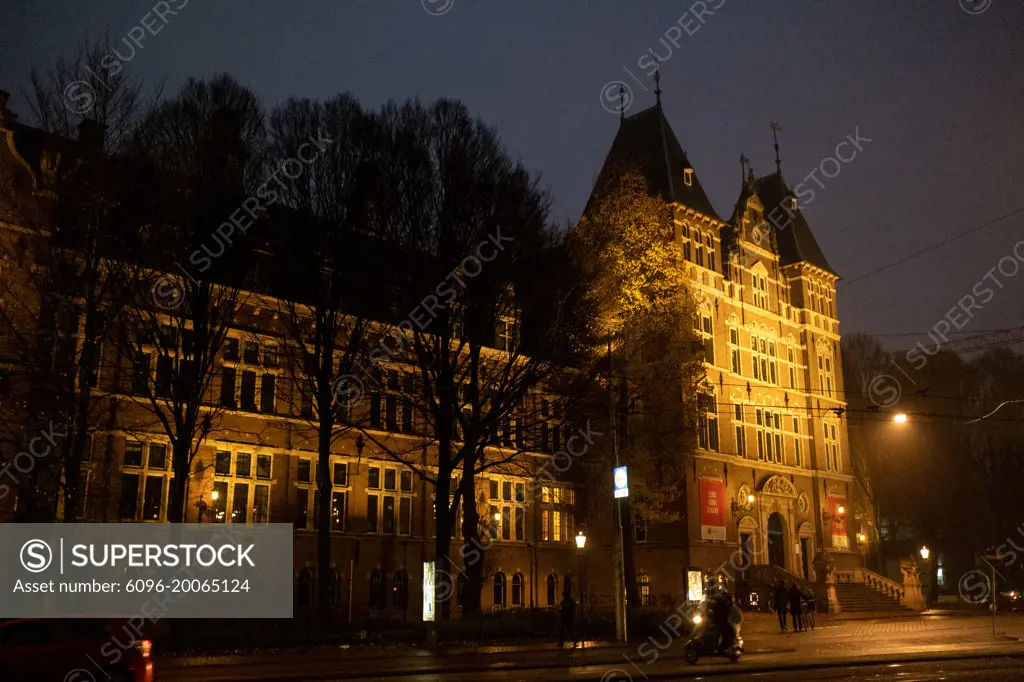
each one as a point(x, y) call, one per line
point(750, 499)
point(581, 540)
point(925, 552)
point(840, 510)
point(900, 418)
point(214, 495)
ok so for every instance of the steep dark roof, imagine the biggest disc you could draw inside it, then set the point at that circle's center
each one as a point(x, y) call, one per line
point(646, 141)
point(796, 241)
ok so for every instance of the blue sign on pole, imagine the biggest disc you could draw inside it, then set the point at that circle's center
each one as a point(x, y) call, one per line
point(621, 482)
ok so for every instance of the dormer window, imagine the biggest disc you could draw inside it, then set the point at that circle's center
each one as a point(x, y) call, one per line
point(688, 176)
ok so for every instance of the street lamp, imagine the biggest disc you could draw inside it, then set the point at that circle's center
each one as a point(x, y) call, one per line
point(900, 418)
point(581, 542)
point(925, 553)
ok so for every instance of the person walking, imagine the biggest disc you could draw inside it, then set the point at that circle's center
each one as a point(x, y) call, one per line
point(781, 599)
point(568, 608)
point(796, 607)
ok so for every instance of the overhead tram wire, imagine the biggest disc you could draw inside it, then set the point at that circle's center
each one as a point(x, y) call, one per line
point(927, 249)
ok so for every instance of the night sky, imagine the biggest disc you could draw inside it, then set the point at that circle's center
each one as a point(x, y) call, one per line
point(937, 89)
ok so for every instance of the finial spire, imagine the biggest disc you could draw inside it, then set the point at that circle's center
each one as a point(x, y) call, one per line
point(657, 87)
point(776, 129)
point(622, 103)
point(743, 167)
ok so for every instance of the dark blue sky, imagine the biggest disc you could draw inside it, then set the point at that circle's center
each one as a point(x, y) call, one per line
point(939, 91)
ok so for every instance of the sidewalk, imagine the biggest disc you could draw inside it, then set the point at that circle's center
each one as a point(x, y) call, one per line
point(928, 636)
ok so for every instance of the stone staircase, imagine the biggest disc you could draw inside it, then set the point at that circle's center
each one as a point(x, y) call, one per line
point(858, 597)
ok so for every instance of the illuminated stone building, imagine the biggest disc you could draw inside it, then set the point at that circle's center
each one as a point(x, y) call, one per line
point(771, 480)
point(772, 431)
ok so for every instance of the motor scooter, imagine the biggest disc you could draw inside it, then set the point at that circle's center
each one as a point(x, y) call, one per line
point(716, 631)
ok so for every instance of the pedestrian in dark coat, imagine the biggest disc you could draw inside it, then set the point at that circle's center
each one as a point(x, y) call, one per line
point(781, 599)
point(796, 607)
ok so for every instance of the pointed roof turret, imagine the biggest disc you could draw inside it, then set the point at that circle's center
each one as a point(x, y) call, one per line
point(645, 141)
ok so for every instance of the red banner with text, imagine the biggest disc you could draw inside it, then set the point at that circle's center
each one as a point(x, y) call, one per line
point(712, 509)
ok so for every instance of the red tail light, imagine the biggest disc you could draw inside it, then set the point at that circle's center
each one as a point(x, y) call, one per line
point(144, 647)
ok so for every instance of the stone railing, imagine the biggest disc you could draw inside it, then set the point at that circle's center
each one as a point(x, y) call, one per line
point(879, 583)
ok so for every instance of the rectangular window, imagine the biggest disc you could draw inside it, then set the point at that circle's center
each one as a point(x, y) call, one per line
point(164, 375)
point(251, 354)
point(388, 520)
point(263, 466)
point(240, 504)
point(375, 411)
point(231, 350)
point(152, 498)
point(140, 374)
point(389, 479)
point(371, 513)
point(520, 524)
point(544, 525)
point(267, 404)
point(157, 456)
point(133, 453)
point(341, 474)
point(129, 497)
point(404, 516)
point(302, 508)
point(219, 508)
point(243, 465)
point(373, 478)
point(222, 465)
point(391, 412)
point(339, 511)
point(227, 387)
point(406, 478)
point(305, 471)
point(261, 504)
point(248, 395)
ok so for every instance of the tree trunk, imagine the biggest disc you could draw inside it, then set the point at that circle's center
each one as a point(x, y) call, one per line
point(323, 511)
point(472, 547)
point(444, 594)
point(179, 483)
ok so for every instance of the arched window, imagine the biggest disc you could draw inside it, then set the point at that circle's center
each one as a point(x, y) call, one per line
point(499, 589)
point(551, 589)
point(517, 589)
point(304, 589)
point(567, 585)
point(378, 598)
point(335, 588)
point(644, 584)
point(399, 591)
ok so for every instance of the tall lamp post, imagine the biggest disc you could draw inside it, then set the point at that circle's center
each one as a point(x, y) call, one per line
point(581, 543)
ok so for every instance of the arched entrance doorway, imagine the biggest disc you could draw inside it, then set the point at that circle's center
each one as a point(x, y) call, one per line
point(776, 541)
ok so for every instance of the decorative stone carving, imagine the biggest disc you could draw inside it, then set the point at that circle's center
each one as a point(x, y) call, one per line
point(825, 572)
point(802, 503)
point(913, 597)
point(779, 486)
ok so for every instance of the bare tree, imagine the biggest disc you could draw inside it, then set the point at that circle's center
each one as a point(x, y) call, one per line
point(479, 331)
point(326, 288)
point(188, 281)
point(89, 86)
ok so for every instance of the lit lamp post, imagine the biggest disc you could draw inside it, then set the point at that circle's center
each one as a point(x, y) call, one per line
point(900, 418)
point(925, 554)
point(581, 543)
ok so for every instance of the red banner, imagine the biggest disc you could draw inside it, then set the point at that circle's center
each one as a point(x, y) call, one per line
point(838, 517)
point(712, 509)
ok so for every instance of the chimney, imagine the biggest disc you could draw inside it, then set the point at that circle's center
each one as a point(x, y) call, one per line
point(7, 116)
point(91, 134)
